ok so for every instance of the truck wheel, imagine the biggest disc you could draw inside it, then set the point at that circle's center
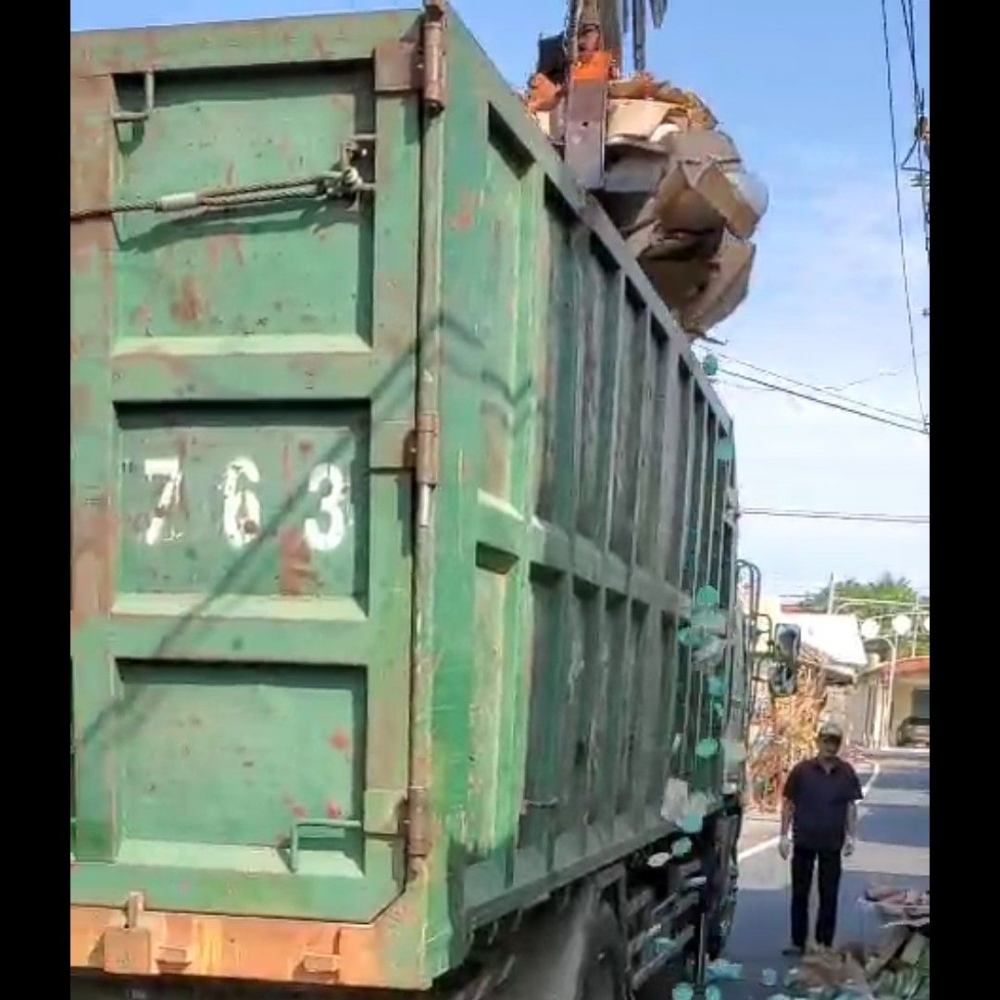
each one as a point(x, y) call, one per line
point(602, 976)
point(722, 921)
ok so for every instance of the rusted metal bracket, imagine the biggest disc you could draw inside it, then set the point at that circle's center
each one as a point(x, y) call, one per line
point(149, 103)
point(418, 839)
point(318, 963)
point(407, 66)
point(137, 948)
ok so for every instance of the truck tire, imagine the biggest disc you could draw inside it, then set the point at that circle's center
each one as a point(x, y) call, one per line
point(577, 953)
point(602, 976)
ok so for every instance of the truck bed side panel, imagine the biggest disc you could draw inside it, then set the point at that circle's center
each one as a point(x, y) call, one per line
point(581, 503)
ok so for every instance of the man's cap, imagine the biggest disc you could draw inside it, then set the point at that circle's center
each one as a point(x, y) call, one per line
point(831, 729)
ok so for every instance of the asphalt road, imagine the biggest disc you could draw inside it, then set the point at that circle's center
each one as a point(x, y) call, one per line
point(893, 848)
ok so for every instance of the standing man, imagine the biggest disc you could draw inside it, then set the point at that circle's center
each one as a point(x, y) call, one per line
point(820, 810)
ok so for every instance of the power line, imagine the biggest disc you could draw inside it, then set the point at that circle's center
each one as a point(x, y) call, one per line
point(819, 389)
point(837, 515)
point(837, 389)
point(922, 174)
point(899, 209)
point(914, 427)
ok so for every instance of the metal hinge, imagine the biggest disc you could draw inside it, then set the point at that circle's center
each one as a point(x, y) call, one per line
point(426, 450)
point(418, 843)
point(406, 65)
point(425, 464)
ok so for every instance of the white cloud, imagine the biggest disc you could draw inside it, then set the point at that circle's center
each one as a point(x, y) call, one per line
point(827, 308)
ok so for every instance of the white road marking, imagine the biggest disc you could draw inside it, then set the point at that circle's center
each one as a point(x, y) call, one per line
point(772, 842)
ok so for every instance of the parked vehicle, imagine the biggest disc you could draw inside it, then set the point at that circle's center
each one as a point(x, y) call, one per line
point(405, 643)
point(914, 732)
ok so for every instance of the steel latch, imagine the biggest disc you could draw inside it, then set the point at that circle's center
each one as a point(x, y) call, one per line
point(137, 948)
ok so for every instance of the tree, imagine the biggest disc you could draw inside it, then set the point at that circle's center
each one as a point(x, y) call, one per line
point(880, 599)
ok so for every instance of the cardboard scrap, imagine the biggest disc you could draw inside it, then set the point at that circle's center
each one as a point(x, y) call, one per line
point(897, 967)
point(894, 903)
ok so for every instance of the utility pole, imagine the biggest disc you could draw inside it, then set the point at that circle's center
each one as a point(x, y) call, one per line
point(831, 593)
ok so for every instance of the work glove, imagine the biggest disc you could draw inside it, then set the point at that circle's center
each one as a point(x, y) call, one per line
point(784, 848)
point(848, 847)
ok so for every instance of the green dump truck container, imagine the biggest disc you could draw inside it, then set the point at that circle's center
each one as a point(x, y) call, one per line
point(392, 485)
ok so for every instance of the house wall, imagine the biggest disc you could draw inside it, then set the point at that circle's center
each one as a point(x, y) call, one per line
point(903, 696)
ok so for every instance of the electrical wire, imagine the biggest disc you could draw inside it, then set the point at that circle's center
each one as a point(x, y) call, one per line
point(899, 209)
point(837, 389)
point(837, 515)
point(922, 178)
point(817, 389)
point(915, 427)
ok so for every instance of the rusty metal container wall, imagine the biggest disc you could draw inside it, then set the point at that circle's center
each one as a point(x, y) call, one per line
point(242, 387)
point(245, 384)
point(583, 498)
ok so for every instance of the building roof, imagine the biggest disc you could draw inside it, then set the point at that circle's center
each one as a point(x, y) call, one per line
point(913, 665)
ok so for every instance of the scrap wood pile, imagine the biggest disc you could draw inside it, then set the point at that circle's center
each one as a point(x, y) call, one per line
point(674, 185)
point(787, 735)
point(896, 967)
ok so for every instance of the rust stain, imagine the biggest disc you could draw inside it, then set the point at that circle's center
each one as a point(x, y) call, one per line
point(267, 949)
point(94, 532)
point(340, 741)
point(296, 575)
point(333, 810)
point(305, 448)
point(141, 316)
point(218, 247)
point(81, 258)
point(298, 811)
point(79, 404)
point(286, 465)
point(463, 219)
point(190, 305)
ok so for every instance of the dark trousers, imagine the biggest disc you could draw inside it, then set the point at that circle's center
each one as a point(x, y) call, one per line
point(803, 862)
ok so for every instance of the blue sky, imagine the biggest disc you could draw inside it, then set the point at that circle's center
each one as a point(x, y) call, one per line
point(800, 85)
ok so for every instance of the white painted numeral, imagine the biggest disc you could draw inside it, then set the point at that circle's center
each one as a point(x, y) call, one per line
point(240, 506)
point(168, 469)
point(241, 509)
point(325, 538)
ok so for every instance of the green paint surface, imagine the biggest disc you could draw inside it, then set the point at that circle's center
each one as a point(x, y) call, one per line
point(578, 512)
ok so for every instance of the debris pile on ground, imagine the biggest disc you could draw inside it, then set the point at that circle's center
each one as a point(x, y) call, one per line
point(896, 967)
point(896, 904)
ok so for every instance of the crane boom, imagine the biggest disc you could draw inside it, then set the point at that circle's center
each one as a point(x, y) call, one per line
point(575, 68)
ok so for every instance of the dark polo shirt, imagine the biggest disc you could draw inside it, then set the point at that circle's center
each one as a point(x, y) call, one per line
point(821, 798)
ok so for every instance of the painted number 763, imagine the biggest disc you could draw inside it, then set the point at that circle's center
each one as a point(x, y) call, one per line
point(242, 513)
